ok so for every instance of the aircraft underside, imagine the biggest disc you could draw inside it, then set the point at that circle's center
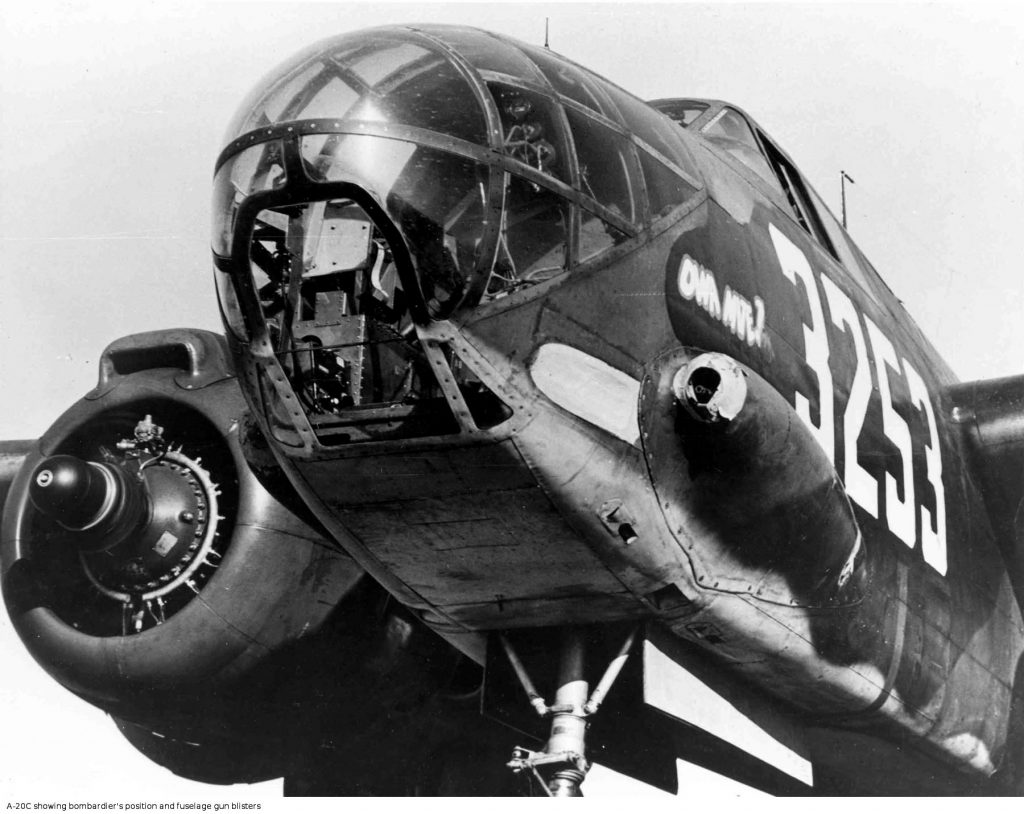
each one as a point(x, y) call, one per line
point(323, 669)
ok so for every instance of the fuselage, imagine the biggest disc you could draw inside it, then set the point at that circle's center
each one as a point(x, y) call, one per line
point(460, 274)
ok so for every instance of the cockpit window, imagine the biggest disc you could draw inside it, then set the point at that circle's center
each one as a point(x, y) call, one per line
point(800, 204)
point(683, 112)
point(730, 131)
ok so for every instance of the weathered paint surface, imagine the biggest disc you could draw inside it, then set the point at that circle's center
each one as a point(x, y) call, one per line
point(834, 549)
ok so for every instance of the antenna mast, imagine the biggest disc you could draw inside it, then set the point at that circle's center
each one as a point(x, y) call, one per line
point(546, 19)
point(843, 178)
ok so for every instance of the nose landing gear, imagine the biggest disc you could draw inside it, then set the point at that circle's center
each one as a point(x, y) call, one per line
point(563, 758)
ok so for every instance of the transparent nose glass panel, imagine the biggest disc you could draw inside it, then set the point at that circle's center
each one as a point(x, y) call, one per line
point(597, 236)
point(560, 179)
point(533, 243)
point(256, 169)
point(655, 129)
point(604, 169)
point(436, 198)
point(568, 80)
point(383, 80)
point(530, 130)
point(665, 189)
point(374, 65)
point(230, 308)
point(488, 53)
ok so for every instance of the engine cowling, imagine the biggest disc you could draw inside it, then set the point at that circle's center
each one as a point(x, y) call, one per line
point(149, 570)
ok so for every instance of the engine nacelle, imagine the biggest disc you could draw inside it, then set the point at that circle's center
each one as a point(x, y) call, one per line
point(224, 633)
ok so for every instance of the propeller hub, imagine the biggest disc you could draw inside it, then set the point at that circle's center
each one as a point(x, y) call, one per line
point(79, 495)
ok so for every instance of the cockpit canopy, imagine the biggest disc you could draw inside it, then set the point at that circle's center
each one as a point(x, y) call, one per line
point(500, 164)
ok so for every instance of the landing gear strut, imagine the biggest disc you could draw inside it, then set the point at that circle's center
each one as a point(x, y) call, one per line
point(564, 756)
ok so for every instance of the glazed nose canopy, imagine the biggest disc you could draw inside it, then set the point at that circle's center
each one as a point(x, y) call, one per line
point(499, 164)
point(393, 112)
point(95, 500)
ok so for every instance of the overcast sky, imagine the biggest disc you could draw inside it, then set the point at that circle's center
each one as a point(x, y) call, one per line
point(111, 116)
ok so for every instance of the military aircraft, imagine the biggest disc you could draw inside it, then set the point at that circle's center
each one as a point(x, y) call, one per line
point(549, 426)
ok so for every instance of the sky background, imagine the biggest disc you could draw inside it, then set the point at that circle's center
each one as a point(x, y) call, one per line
point(112, 114)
